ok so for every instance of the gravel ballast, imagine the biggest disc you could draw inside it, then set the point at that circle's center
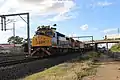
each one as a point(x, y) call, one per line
point(21, 70)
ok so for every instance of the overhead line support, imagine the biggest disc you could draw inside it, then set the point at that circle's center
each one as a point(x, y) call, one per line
point(3, 21)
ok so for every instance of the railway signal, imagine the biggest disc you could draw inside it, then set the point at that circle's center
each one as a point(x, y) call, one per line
point(3, 23)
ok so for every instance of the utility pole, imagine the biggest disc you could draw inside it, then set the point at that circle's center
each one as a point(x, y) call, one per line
point(14, 29)
point(118, 31)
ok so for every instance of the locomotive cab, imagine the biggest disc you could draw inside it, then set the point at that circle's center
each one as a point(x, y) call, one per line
point(43, 37)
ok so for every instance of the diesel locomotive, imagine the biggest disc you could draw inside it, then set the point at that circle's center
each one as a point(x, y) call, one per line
point(47, 41)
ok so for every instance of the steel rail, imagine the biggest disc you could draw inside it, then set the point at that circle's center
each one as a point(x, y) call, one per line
point(14, 62)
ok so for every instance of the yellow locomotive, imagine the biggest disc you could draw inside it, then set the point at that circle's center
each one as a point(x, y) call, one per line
point(42, 37)
point(47, 41)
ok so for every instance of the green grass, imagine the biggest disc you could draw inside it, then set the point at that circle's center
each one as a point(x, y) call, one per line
point(74, 69)
point(115, 48)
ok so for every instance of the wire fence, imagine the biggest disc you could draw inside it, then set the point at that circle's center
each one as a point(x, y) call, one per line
point(114, 55)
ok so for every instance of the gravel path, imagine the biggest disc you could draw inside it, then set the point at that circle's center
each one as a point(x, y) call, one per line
point(108, 70)
point(21, 70)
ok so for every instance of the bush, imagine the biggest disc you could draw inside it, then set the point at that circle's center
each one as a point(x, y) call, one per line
point(115, 48)
point(93, 55)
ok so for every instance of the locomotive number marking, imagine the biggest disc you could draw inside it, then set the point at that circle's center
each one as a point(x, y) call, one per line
point(42, 41)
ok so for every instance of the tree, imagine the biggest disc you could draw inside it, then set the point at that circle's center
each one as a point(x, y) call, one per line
point(15, 40)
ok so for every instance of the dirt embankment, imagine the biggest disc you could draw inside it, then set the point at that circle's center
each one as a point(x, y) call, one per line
point(82, 68)
point(106, 71)
point(74, 69)
point(109, 69)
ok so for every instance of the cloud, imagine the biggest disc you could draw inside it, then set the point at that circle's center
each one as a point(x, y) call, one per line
point(109, 30)
point(69, 13)
point(101, 4)
point(40, 7)
point(62, 17)
point(72, 35)
point(84, 27)
point(1, 2)
point(105, 3)
point(5, 35)
point(95, 28)
point(60, 10)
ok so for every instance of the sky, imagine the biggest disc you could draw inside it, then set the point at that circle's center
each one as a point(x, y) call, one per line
point(73, 17)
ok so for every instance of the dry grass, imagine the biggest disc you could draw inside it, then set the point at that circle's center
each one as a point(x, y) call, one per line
point(71, 70)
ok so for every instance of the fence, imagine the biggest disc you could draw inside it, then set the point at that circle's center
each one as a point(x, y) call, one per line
point(12, 49)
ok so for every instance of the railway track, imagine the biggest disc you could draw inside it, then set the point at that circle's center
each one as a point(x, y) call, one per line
point(16, 71)
point(19, 61)
point(12, 55)
point(13, 60)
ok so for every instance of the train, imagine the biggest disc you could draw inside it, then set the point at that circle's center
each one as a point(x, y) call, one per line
point(47, 41)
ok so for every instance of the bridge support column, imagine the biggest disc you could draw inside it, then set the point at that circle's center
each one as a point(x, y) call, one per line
point(107, 46)
point(96, 48)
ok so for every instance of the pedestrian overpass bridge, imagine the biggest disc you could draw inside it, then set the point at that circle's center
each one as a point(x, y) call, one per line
point(101, 41)
point(96, 42)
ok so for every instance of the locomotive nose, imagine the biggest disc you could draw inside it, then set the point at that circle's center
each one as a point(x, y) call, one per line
point(41, 41)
